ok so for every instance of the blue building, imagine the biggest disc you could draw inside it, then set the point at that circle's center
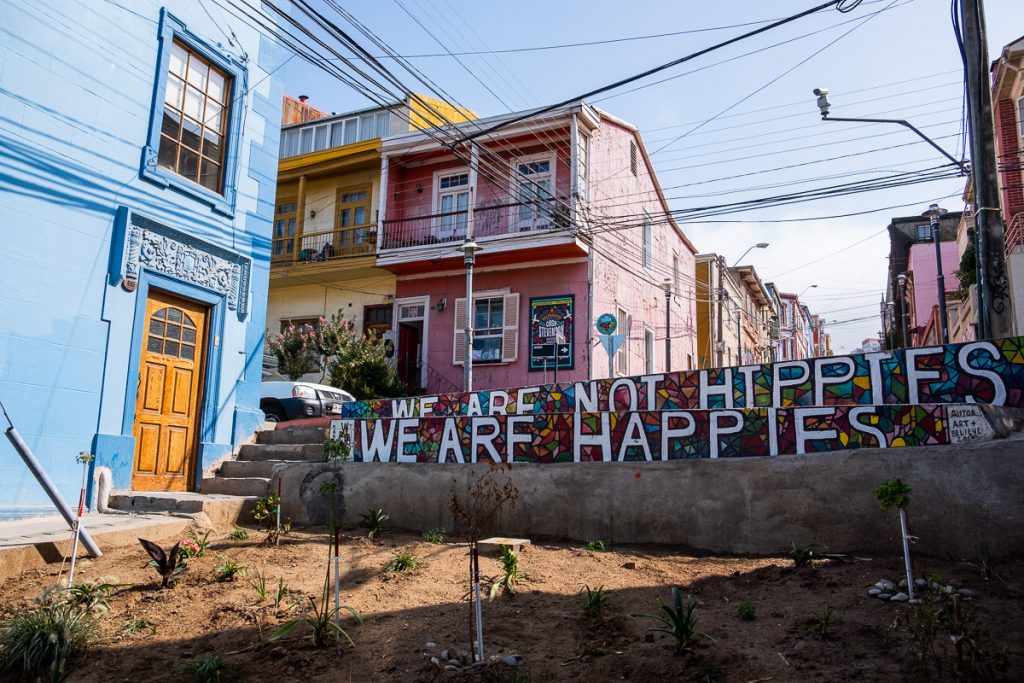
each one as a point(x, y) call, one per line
point(138, 161)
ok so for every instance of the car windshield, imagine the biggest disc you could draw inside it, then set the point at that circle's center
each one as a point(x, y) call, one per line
point(270, 375)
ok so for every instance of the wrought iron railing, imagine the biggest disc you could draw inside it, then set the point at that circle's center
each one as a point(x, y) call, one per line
point(488, 221)
point(1015, 233)
point(438, 383)
point(358, 240)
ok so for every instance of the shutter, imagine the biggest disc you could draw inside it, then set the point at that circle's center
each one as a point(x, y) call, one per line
point(510, 329)
point(459, 350)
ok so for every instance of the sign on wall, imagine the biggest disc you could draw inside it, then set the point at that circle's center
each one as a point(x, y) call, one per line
point(551, 333)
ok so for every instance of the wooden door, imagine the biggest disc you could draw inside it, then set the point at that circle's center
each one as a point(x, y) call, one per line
point(170, 387)
point(409, 354)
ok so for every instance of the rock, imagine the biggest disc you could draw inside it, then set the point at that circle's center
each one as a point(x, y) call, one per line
point(920, 583)
point(874, 591)
point(900, 597)
point(451, 667)
point(465, 656)
point(903, 583)
point(885, 585)
point(435, 661)
point(966, 593)
point(445, 656)
point(278, 653)
point(629, 565)
point(510, 660)
point(431, 645)
point(884, 596)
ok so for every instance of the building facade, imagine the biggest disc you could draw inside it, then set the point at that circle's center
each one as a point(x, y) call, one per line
point(140, 149)
point(544, 200)
point(735, 312)
point(1008, 115)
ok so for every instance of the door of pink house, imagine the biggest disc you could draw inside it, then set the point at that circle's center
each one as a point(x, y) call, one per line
point(410, 339)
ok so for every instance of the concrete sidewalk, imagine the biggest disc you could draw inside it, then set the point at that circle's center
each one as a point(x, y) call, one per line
point(37, 542)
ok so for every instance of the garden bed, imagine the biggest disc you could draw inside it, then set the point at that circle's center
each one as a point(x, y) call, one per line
point(410, 619)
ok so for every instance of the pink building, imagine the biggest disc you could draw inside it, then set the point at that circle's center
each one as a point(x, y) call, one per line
point(924, 289)
point(571, 223)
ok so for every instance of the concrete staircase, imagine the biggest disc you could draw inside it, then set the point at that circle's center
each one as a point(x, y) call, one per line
point(229, 495)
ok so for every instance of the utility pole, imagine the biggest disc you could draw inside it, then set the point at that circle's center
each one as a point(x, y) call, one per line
point(668, 324)
point(995, 315)
point(720, 343)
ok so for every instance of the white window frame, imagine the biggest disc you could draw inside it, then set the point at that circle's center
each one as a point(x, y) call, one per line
point(647, 240)
point(510, 327)
point(676, 281)
point(452, 227)
point(622, 355)
point(648, 350)
point(540, 219)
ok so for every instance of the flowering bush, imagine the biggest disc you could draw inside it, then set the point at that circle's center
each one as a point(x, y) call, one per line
point(297, 350)
point(188, 547)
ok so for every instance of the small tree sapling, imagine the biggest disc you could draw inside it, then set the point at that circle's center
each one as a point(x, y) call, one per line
point(893, 493)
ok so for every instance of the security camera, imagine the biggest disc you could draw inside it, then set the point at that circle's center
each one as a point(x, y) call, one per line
point(823, 103)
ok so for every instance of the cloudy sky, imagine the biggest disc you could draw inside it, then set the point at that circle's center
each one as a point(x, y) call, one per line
point(736, 125)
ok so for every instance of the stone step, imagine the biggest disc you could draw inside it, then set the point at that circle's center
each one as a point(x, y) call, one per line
point(292, 435)
point(221, 509)
point(251, 468)
point(237, 486)
point(284, 451)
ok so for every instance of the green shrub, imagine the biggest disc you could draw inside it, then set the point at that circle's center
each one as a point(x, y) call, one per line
point(375, 522)
point(402, 562)
point(227, 570)
point(238, 535)
point(511, 574)
point(595, 601)
point(40, 642)
point(747, 610)
point(675, 620)
point(597, 546)
point(434, 536)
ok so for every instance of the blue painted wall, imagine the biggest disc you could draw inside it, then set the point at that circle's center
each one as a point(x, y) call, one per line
point(77, 85)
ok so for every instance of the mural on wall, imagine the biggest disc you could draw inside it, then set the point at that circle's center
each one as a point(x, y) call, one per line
point(659, 435)
point(971, 372)
point(551, 333)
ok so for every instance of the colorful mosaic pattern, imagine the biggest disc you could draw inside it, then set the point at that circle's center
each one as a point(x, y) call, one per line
point(979, 372)
point(631, 436)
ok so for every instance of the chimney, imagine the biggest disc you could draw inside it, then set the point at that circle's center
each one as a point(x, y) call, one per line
point(303, 98)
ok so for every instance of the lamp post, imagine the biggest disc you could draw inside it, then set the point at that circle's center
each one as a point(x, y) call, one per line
point(901, 279)
point(824, 105)
point(468, 249)
point(720, 345)
point(759, 245)
point(805, 290)
point(934, 214)
point(667, 286)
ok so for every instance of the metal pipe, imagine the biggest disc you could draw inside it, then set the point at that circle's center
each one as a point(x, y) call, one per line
point(668, 328)
point(940, 280)
point(901, 280)
point(904, 528)
point(51, 490)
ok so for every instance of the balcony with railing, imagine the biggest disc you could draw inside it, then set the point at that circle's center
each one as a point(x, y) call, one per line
point(358, 240)
point(1015, 233)
point(495, 221)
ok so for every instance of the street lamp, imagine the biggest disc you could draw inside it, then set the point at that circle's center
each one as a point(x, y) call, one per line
point(759, 245)
point(934, 214)
point(901, 280)
point(667, 286)
point(468, 249)
point(824, 105)
point(805, 289)
point(720, 346)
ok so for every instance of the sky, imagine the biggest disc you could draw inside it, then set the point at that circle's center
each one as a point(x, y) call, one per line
point(746, 110)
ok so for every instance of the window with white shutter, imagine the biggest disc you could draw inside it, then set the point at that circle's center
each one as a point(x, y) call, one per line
point(495, 329)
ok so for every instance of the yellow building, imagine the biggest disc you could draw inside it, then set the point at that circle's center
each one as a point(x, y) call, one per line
point(324, 248)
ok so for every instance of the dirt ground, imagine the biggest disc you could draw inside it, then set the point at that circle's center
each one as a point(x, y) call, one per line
point(409, 618)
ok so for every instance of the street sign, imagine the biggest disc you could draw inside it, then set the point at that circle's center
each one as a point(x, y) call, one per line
point(606, 323)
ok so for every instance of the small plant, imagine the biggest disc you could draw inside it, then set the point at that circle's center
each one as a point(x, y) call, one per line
point(137, 624)
point(747, 610)
point(336, 449)
point(238, 535)
point(321, 618)
point(804, 556)
point(168, 565)
point(595, 601)
point(188, 548)
point(280, 594)
point(597, 546)
point(208, 669)
point(402, 562)
point(675, 620)
point(44, 639)
point(375, 522)
point(779, 614)
point(258, 581)
point(820, 625)
point(92, 596)
point(511, 574)
point(893, 493)
point(434, 536)
point(227, 570)
point(265, 514)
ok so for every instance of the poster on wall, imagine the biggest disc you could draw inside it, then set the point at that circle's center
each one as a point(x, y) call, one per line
point(551, 334)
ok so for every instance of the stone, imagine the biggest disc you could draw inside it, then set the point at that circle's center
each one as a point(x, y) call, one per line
point(451, 667)
point(874, 591)
point(431, 645)
point(903, 583)
point(966, 593)
point(629, 565)
point(445, 656)
point(510, 660)
point(920, 583)
point(900, 597)
point(886, 585)
point(435, 661)
point(884, 596)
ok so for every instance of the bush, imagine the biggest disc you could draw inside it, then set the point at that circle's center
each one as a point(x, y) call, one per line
point(295, 349)
point(44, 639)
point(402, 562)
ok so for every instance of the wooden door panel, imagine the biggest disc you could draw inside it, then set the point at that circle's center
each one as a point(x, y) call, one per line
point(168, 405)
point(148, 444)
point(153, 387)
point(181, 392)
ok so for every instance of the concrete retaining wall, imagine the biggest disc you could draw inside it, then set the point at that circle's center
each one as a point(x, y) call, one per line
point(965, 498)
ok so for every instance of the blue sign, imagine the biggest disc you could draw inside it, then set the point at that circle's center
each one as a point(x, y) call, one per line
point(606, 323)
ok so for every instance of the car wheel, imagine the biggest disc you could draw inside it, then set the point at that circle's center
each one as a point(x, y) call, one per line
point(274, 415)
